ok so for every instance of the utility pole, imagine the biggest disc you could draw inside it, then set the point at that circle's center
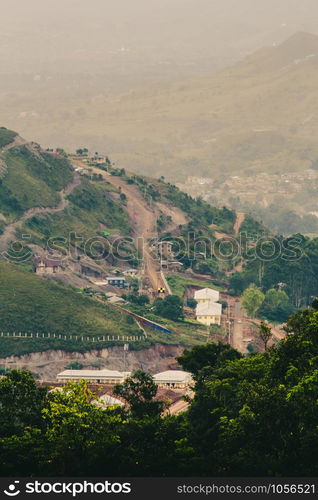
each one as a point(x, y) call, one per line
point(126, 349)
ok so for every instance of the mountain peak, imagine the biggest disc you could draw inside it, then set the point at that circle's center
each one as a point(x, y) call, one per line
point(300, 47)
point(300, 44)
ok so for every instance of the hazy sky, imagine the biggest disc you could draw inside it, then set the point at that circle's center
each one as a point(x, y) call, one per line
point(95, 35)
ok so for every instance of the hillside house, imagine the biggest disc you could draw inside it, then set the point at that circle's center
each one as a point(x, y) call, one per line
point(209, 313)
point(45, 265)
point(119, 281)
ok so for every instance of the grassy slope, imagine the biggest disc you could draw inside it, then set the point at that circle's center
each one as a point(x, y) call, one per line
point(91, 205)
point(178, 284)
point(6, 136)
point(183, 332)
point(31, 304)
point(31, 180)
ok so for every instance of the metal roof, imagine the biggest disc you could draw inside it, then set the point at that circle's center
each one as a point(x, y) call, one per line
point(93, 374)
point(173, 376)
point(208, 309)
point(207, 293)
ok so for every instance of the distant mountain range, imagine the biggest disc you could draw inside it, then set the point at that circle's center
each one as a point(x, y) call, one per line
point(260, 113)
point(258, 117)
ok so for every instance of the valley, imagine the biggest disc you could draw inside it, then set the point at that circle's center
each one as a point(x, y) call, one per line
point(149, 218)
point(240, 133)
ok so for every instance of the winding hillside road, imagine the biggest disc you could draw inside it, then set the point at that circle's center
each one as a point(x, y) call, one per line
point(9, 231)
point(143, 220)
point(240, 218)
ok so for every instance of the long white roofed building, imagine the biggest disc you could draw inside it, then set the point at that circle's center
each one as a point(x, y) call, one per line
point(95, 376)
point(173, 379)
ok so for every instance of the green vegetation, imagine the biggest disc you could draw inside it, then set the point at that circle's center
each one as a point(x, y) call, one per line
point(170, 307)
point(31, 304)
point(276, 306)
point(192, 303)
point(32, 180)
point(6, 136)
point(253, 298)
point(281, 219)
point(273, 306)
point(265, 334)
point(252, 416)
point(184, 332)
point(179, 284)
point(287, 263)
point(252, 227)
point(139, 392)
point(74, 365)
point(201, 212)
point(90, 205)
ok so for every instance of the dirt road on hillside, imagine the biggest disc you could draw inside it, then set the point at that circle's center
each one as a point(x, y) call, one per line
point(143, 220)
point(9, 231)
point(240, 217)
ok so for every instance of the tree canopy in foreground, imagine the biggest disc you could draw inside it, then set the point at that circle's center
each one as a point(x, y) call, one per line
point(250, 416)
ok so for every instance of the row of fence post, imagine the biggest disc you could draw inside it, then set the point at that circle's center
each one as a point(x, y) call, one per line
point(82, 338)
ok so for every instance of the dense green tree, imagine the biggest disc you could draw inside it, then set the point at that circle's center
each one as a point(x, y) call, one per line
point(276, 306)
point(21, 402)
point(192, 303)
point(170, 307)
point(265, 334)
point(140, 300)
point(250, 416)
point(253, 298)
point(78, 432)
point(211, 355)
point(139, 391)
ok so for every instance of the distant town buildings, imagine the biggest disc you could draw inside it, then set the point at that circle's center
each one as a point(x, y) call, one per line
point(208, 310)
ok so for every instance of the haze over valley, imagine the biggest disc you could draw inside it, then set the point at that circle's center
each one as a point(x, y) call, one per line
point(204, 93)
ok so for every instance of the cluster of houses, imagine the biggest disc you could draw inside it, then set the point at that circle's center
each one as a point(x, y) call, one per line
point(54, 265)
point(170, 379)
point(208, 310)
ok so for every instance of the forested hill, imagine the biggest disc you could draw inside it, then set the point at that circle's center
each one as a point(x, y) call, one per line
point(290, 264)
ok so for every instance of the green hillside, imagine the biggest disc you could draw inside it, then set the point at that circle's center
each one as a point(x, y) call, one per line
point(32, 180)
point(90, 207)
point(32, 304)
point(6, 136)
